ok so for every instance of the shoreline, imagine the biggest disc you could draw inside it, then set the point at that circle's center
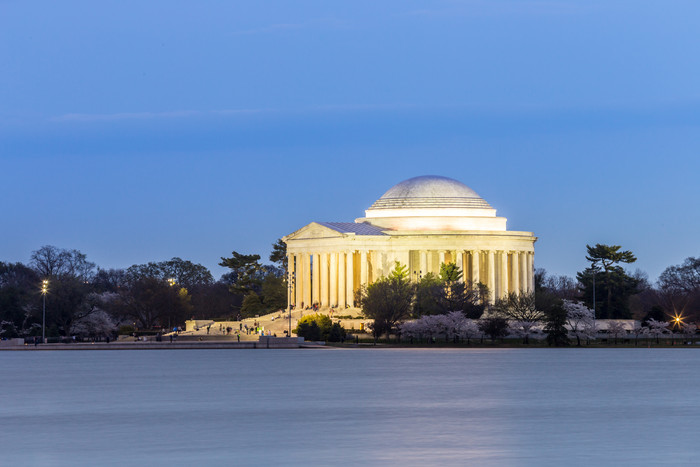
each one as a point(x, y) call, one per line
point(263, 343)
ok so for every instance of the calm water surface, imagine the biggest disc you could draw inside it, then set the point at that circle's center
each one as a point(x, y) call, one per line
point(502, 407)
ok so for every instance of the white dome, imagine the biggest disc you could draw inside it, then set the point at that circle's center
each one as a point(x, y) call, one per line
point(430, 192)
point(433, 203)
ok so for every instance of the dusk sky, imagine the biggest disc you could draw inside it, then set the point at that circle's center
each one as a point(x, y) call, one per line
point(137, 131)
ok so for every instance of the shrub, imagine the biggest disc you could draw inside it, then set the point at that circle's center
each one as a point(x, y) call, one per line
point(319, 327)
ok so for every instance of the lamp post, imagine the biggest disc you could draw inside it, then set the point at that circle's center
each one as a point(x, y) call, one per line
point(171, 281)
point(44, 291)
point(291, 279)
point(593, 270)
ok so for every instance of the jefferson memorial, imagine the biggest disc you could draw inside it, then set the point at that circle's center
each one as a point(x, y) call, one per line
point(421, 222)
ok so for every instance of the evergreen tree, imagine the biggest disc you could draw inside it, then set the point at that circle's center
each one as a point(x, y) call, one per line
point(612, 283)
point(555, 326)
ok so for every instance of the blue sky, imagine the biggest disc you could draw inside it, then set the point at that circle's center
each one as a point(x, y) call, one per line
point(138, 131)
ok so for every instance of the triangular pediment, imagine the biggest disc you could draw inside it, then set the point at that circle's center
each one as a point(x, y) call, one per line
point(313, 231)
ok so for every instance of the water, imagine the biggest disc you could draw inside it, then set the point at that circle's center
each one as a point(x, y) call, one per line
point(500, 407)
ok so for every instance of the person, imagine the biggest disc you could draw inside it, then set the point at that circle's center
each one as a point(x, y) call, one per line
point(238, 335)
point(208, 328)
point(36, 341)
point(171, 338)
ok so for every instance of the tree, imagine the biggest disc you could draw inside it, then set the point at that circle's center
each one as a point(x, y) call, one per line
point(495, 327)
point(109, 280)
point(524, 329)
point(639, 330)
point(679, 288)
point(615, 329)
point(657, 328)
point(450, 273)
point(68, 300)
point(279, 254)
point(446, 293)
point(655, 312)
point(184, 273)
point(387, 301)
point(245, 268)
point(562, 287)
point(51, 262)
point(19, 297)
point(518, 306)
point(555, 326)
point(581, 321)
point(616, 285)
point(215, 301)
point(310, 331)
point(688, 330)
point(252, 305)
point(274, 293)
point(152, 302)
point(319, 327)
point(97, 324)
point(428, 291)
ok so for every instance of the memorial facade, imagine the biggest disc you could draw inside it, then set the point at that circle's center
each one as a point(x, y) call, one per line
point(421, 223)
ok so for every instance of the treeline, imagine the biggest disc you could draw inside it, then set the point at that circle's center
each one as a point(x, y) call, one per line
point(604, 289)
point(614, 293)
point(85, 300)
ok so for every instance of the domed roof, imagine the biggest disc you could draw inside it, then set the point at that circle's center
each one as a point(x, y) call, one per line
point(430, 191)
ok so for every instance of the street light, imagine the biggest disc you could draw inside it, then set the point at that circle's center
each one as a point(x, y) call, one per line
point(171, 281)
point(44, 291)
point(290, 285)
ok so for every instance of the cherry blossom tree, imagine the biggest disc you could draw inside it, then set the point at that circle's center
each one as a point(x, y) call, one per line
point(639, 330)
point(450, 326)
point(524, 329)
point(688, 330)
point(616, 328)
point(97, 324)
point(581, 321)
point(657, 328)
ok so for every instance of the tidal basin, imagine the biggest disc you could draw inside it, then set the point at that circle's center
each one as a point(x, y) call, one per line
point(494, 407)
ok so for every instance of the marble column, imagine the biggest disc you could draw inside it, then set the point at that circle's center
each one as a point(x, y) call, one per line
point(363, 268)
point(531, 272)
point(334, 280)
point(459, 257)
point(324, 279)
point(491, 276)
point(350, 279)
point(299, 282)
point(316, 279)
point(515, 269)
point(378, 265)
point(423, 263)
point(441, 258)
point(503, 280)
point(341, 279)
point(475, 267)
point(306, 259)
point(523, 272)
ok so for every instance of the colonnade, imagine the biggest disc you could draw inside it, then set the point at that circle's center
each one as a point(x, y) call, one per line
point(330, 279)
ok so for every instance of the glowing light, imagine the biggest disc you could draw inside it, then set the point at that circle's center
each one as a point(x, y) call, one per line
point(677, 320)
